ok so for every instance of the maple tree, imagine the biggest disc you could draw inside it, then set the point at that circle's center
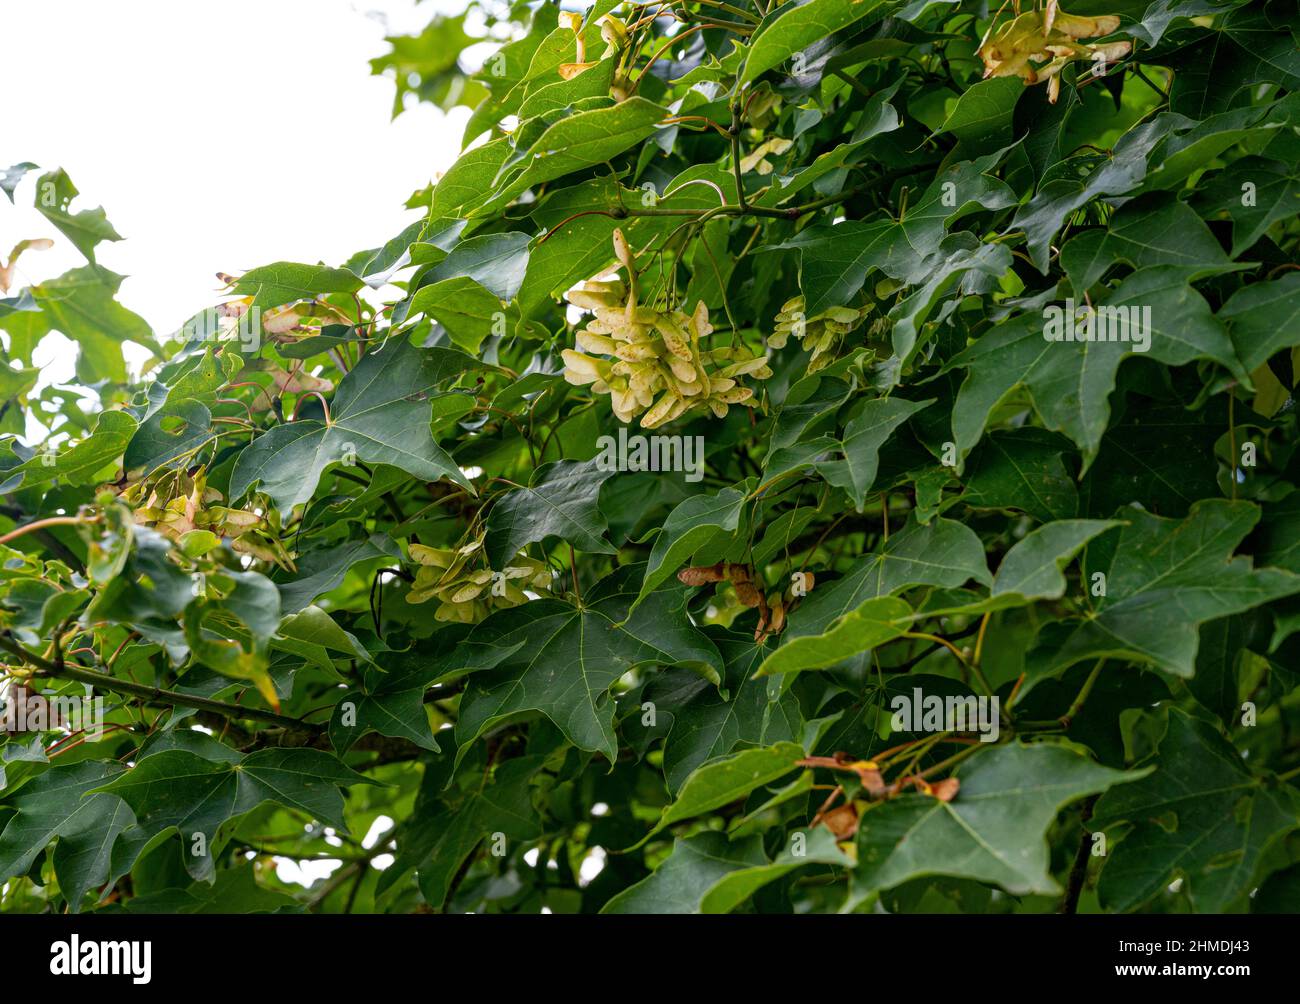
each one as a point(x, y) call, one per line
point(971, 338)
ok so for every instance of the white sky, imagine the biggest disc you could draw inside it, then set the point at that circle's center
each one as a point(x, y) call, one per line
point(217, 136)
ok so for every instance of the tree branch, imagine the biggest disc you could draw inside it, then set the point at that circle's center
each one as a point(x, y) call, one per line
point(41, 524)
point(153, 695)
point(1079, 870)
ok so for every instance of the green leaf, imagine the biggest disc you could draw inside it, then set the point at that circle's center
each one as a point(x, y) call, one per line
point(563, 501)
point(81, 304)
point(233, 891)
point(380, 414)
point(1172, 468)
point(469, 180)
point(325, 568)
point(1158, 17)
point(11, 176)
point(981, 116)
point(721, 782)
point(836, 260)
point(681, 882)
point(561, 660)
point(863, 437)
point(1163, 578)
point(960, 267)
point(1262, 317)
point(707, 723)
point(576, 142)
point(1221, 654)
point(287, 282)
point(993, 830)
point(803, 848)
point(1202, 816)
point(469, 312)
point(179, 790)
point(877, 118)
point(497, 262)
point(940, 553)
point(1245, 47)
point(57, 804)
point(446, 829)
point(467, 291)
point(1278, 539)
point(795, 26)
point(1021, 469)
point(1142, 233)
point(868, 626)
point(314, 634)
point(426, 64)
point(178, 419)
point(1070, 381)
point(549, 98)
point(169, 439)
point(507, 812)
point(1032, 568)
point(1274, 190)
point(691, 525)
point(18, 753)
point(85, 462)
point(1189, 150)
point(577, 244)
point(1126, 168)
point(54, 194)
point(390, 702)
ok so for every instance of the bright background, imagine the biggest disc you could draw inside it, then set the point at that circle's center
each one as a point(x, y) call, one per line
point(217, 136)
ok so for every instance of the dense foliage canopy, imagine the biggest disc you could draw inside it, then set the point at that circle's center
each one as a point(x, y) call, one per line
point(828, 456)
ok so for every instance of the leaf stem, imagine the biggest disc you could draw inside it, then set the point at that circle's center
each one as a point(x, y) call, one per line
point(1084, 691)
point(730, 8)
point(662, 49)
point(961, 656)
point(952, 761)
point(573, 568)
point(325, 405)
point(979, 638)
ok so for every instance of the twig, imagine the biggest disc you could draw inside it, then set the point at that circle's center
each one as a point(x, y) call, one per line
point(734, 132)
point(80, 674)
point(1084, 691)
point(1079, 870)
point(41, 524)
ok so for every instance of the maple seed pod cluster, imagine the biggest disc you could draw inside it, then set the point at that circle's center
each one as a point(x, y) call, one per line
point(772, 608)
point(178, 504)
point(614, 34)
point(652, 362)
point(764, 108)
point(1038, 44)
point(821, 335)
point(467, 595)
